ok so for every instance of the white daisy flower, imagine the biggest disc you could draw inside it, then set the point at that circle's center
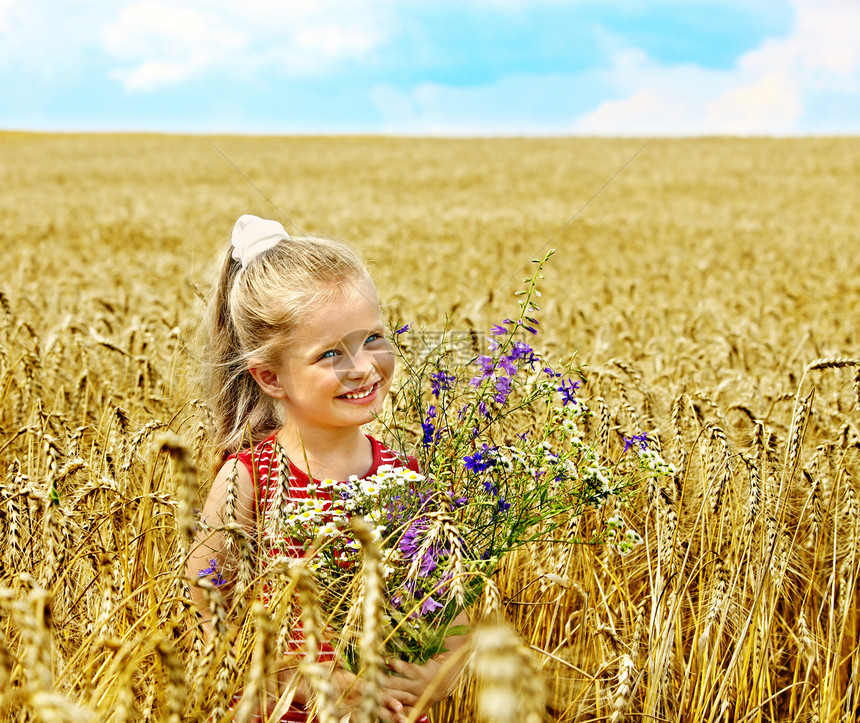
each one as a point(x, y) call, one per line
point(374, 515)
point(370, 488)
point(329, 529)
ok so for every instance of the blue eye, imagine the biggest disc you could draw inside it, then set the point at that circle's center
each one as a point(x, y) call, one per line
point(328, 354)
point(372, 337)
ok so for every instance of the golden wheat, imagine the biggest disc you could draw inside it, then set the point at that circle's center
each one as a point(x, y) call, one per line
point(705, 316)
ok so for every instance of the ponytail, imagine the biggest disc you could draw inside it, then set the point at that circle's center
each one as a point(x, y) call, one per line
point(232, 392)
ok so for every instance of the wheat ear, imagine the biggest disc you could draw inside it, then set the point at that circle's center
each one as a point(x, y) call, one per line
point(7, 663)
point(719, 468)
point(255, 693)
point(218, 636)
point(371, 635)
point(310, 667)
point(176, 685)
point(798, 427)
point(510, 687)
point(187, 490)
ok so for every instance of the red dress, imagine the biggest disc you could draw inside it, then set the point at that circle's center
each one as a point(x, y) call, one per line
point(262, 464)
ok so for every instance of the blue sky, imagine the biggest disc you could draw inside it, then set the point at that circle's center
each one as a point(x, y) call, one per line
point(465, 67)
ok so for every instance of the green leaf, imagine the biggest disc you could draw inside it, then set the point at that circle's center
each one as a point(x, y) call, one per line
point(457, 630)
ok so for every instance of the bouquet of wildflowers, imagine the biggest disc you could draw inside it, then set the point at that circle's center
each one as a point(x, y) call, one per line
point(428, 574)
point(504, 462)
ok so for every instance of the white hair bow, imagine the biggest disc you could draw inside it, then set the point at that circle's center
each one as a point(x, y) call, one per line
point(252, 235)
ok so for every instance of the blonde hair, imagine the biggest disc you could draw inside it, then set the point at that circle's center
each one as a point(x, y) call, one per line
point(251, 315)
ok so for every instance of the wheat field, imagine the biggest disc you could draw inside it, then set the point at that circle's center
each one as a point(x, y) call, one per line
point(710, 289)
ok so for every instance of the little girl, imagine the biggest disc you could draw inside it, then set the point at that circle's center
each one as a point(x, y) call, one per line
point(299, 358)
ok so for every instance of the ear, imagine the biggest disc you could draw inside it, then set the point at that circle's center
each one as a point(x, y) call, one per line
point(267, 380)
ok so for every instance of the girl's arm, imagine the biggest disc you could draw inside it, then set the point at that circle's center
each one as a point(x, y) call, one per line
point(212, 546)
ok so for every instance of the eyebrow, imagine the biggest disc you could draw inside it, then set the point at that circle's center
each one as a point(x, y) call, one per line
point(316, 348)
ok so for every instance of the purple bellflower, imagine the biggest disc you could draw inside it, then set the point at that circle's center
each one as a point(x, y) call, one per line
point(640, 439)
point(441, 382)
point(568, 391)
point(507, 363)
point(430, 606)
point(217, 578)
point(482, 460)
point(503, 389)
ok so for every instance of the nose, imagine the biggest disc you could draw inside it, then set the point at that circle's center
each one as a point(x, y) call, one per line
point(362, 364)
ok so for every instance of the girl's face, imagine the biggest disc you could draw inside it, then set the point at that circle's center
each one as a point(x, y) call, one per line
point(336, 369)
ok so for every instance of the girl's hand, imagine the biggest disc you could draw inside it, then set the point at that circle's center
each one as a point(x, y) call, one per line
point(412, 682)
point(348, 688)
point(422, 686)
point(425, 685)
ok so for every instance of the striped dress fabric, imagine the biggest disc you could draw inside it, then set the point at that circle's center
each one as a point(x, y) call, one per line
point(262, 463)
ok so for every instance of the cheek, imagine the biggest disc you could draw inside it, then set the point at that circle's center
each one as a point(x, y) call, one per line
point(385, 365)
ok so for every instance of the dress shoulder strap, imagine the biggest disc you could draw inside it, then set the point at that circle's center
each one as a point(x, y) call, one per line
point(385, 455)
point(260, 462)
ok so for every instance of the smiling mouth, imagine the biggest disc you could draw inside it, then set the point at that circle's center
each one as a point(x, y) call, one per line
point(361, 393)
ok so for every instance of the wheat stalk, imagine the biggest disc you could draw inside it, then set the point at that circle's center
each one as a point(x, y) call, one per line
point(627, 672)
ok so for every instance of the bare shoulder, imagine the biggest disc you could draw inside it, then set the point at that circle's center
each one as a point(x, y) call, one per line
point(234, 485)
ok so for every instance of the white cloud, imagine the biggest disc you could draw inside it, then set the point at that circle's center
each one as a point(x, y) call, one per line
point(765, 93)
point(5, 7)
point(160, 44)
point(333, 41)
point(40, 44)
point(648, 110)
point(823, 49)
point(771, 104)
point(167, 44)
